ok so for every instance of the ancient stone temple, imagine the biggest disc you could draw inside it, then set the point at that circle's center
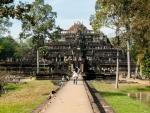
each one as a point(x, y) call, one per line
point(91, 52)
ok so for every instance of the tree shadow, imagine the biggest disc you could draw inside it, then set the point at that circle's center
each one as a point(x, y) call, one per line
point(106, 93)
point(146, 88)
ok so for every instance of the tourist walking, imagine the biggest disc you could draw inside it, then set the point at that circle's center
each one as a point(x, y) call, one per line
point(75, 77)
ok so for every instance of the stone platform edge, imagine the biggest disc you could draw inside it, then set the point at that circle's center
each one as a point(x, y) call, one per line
point(99, 105)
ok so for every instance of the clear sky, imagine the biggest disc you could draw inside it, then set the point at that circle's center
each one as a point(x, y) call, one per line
point(68, 12)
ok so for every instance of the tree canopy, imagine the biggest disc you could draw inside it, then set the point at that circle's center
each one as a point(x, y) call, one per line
point(133, 14)
point(132, 17)
point(8, 46)
point(40, 24)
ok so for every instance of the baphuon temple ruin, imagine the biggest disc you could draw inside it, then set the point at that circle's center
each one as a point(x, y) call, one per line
point(78, 47)
point(91, 52)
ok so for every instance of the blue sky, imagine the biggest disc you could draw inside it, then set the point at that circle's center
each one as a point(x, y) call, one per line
point(68, 12)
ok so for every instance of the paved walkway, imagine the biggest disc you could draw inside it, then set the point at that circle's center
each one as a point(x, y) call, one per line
point(70, 99)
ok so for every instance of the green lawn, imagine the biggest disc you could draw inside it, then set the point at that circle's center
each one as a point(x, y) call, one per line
point(23, 98)
point(118, 99)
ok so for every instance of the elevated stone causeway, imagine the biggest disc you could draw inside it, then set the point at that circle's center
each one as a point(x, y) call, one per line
point(70, 99)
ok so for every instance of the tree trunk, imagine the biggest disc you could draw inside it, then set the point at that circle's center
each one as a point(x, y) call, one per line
point(141, 70)
point(137, 66)
point(37, 71)
point(117, 70)
point(136, 70)
point(128, 58)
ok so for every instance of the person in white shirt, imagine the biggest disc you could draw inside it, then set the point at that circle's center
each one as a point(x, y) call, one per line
point(75, 77)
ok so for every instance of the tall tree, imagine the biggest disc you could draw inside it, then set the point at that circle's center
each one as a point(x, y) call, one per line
point(108, 13)
point(8, 45)
point(39, 25)
point(140, 30)
point(134, 18)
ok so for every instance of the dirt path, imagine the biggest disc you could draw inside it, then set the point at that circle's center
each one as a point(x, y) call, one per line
point(143, 82)
point(70, 99)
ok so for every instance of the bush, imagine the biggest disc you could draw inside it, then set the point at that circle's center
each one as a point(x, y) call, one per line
point(146, 65)
point(2, 87)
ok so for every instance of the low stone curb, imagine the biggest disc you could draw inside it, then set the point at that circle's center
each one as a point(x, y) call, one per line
point(92, 102)
point(99, 105)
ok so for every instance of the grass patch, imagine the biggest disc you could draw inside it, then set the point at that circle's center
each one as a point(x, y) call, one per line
point(23, 98)
point(11, 87)
point(118, 98)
